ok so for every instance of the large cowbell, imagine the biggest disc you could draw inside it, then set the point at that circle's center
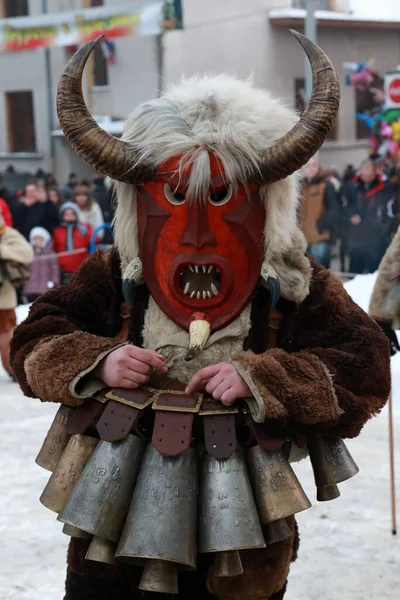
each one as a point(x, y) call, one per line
point(277, 491)
point(160, 529)
point(55, 441)
point(68, 471)
point(228, 520)
point(332, 464)
point(99, 501)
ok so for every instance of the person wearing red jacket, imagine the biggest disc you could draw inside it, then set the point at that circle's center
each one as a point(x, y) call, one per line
point(71, 236)
point(5, 210)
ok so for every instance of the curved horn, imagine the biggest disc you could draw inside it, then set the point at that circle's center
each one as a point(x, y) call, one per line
point(295, 148)
point(100, 150)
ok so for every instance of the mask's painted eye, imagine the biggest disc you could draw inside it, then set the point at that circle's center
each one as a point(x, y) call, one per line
point(174, 196)
point(221, 196)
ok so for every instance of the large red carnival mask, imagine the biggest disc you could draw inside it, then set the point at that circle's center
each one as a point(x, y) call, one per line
point(200, 255)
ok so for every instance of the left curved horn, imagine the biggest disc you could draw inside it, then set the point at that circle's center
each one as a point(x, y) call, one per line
point(103, 152)
point(295, 148)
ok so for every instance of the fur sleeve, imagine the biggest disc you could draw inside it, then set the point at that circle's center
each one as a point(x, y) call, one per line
point(66, 331)
point(334, 370)
point(380, 309)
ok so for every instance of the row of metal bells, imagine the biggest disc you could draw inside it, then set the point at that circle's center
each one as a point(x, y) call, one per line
point(68, 471)
point(55, 441)
point(99, 501)
point(332, 464)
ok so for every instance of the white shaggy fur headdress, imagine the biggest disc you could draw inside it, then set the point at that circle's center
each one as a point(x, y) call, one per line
point(255, 137)
point(236, 122)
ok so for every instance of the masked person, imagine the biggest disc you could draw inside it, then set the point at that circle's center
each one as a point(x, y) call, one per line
point(15, 252)
point(205, 329)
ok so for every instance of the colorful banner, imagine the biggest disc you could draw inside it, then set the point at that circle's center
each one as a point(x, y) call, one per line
point(80, 26)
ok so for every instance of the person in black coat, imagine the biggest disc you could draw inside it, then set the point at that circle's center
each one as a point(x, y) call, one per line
point(368, 197)
point(35, 210)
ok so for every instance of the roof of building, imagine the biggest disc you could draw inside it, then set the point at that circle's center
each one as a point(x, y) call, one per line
point(330, 18)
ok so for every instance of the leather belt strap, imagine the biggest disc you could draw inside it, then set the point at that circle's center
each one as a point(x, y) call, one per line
point(122, 413)
point(264, 437)
point(84, 417)
point(219, 428)
point(175, 410)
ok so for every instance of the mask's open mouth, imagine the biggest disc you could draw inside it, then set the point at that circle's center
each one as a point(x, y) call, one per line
point(200, 281)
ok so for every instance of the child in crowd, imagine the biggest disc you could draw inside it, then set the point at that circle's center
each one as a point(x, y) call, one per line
point(89, 209)
point(45, 270)
point(72, 236)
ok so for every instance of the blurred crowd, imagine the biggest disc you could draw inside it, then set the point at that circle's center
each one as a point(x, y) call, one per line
point(352, 215)
point(46, 232)
point(60, 222)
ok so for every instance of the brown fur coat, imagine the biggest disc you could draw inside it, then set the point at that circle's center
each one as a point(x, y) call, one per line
point(319, 376)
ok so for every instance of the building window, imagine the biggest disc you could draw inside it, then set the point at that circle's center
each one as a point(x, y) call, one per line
point(21, 122)
point(366, 103)
point(15, 8)
point(299, 85)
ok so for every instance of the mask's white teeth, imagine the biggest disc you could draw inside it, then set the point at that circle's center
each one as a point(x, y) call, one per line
point(192, 295)
point(214, 289)
point(209, 294)
point(204, 295)
point(196, 268)
point(187, 286)
point(198, 294)
point(210, 268)
point(190, 268)
point(204, 269)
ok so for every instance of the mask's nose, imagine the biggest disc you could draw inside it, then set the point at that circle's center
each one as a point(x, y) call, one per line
point(197, 232)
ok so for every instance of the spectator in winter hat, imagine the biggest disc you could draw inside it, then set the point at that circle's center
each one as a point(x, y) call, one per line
point(45, 269)
point(72, 237)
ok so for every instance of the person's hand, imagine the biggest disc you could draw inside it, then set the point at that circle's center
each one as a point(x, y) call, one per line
point(222, 381)
point(129, 367)
point(355, 219)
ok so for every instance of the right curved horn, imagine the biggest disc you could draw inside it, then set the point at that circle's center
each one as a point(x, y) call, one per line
point(100, 150)
point(295, 148)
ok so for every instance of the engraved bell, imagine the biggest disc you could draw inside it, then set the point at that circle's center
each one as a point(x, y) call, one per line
point(160, 528)
point(55, 441)
point(75, 456)
point(332, 463)
point(100, 499)
point(228, 518)
point(277, 490)
point(102, 551)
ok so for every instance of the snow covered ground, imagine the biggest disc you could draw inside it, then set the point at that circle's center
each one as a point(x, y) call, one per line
point(347, 551)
